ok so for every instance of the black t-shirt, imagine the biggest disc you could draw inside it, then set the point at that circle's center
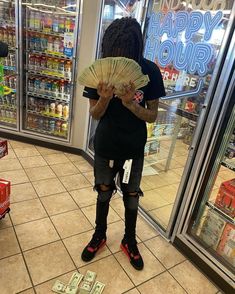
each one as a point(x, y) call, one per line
point(120, 134)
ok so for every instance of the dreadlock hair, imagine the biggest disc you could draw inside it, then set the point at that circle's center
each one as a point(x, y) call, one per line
point(123, 38)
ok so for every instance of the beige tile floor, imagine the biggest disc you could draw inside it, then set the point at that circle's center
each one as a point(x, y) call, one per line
point(52, 218)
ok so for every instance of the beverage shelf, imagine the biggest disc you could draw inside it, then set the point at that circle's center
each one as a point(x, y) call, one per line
point(47, 73)
point(49, 97)
point(48, 54)
point(47, 115)
point(60, 134)
point(181, 112)
point(7, 107)
point(221, 213)
point(46, 33)
point(7, 67)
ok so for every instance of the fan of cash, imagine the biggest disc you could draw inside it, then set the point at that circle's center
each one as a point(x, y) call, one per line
point(115, 71)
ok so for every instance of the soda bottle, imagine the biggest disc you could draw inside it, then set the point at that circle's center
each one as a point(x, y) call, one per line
point(43, 43)
point(65, 111)
point(47, 23)
point(55, 26)
point(64, 127)
point(52, 108)
point(61, 89)
point(61, 49)
point(52, 126)
point(49, 63)
point(59, 109)
point(50, 44)
point(61, 25)
point(32, 42)
point(43, 62)
point(72, 25)
point(31, 84)
point(37, 42)
point(31, 19)
point(37, 62)
point(55, 64)
point(48, 86)
point(67, 89)
point(37, 21)
point(55, 88)
point(57, 45)
point(43, 86)
point(68, 69)
point(37, 84)
point(61, 66)
point(46, 125)
point(67, 25)
point(31, 61)
point(58, 126)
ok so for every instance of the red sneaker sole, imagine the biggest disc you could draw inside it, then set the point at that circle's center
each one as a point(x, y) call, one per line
point(125, 251)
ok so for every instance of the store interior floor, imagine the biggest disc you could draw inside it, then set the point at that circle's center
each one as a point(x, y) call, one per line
point(52, 218)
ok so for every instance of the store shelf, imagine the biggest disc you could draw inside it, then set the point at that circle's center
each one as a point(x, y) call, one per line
point(54, 54)
point(47, 115)
point(7, 67)
point(229, 163)
point(55, 133)
point(47, 73)
point(48, 97)
point(189, 115)
point(7, 107)
point(46, 33)
point(221, 213)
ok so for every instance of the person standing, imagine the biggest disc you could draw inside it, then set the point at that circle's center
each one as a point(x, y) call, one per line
point(121, 135)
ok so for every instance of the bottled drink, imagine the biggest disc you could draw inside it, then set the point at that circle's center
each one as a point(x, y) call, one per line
point(61, 49)
point(43, 62)
point(37, 42)
point(61, 66)
point(48, 86)
point(37, 62)
point(57, 45)
point(50, 44)
point(55, 25)
point(31, 84)
point(68, 69)
point(37, 21)
point(65, 111)
point(52, 125)
point(55, 88)
point(31, 19)
point(43, 42)
point(52, 108)
point(49, 63)
point(43, 86)
point(32, 41)
point(47, 23)
point(67, 24)
point(59, 109)
point(31, 61)
point(37, 84)
point(55, 64)
point(61, 25)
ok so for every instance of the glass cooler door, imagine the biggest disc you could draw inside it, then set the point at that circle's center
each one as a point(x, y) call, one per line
point(50, 47)
point(9, 78)
point(177, 39)
point(111, 10)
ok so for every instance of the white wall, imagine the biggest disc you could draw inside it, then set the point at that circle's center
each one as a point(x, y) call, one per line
point(87, 51)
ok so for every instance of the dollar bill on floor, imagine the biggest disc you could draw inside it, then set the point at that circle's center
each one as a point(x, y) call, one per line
point(75, 279)
point(97, 288)
point(90, 277)
point(85, 288)
point(59, 287)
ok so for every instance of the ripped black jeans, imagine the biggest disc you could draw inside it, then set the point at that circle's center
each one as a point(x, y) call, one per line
point(105, 172)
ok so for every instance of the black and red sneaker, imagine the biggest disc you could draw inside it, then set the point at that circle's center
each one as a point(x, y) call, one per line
point(132, 252)
point(92, 247)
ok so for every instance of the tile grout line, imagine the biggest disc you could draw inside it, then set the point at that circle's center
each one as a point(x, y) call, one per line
point(45, 244)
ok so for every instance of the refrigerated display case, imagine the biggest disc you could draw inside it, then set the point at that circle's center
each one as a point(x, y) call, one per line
point(189, 57)
point(9, 94)
point(205, 228)
point(50, 30)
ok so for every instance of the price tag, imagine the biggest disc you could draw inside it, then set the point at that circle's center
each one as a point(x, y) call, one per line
point(127, 171)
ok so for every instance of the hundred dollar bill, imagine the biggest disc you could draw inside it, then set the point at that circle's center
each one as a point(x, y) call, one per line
point(85, 288)
point(71, 290)
point(59, 287)
point(75, 280)
point(97, 288)
point(90, 277)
